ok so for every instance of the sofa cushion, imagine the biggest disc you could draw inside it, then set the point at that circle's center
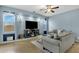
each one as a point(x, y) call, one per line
point(50, 40)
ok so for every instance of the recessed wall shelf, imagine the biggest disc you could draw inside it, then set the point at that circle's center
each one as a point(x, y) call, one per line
point(8, 26)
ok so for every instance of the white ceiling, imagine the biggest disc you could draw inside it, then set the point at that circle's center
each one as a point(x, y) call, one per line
point(36, 8)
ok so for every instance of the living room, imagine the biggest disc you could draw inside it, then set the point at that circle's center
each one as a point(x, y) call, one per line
point(23, 23)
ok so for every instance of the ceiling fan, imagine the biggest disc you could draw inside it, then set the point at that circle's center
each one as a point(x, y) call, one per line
point(49, 8)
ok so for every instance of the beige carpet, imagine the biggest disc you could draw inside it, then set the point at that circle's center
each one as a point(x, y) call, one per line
point(40, 46)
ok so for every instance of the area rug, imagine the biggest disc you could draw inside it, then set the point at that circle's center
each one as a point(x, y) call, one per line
point(39, 44)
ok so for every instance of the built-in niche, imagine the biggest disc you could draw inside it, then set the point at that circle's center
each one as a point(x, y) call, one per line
point(8, 22)
point(8, 27)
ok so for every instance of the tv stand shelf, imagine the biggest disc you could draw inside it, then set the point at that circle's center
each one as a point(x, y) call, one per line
point(31, 32)
point(10, 36)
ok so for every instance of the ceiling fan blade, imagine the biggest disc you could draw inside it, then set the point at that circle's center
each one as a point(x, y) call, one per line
point(55, 7)
point(52, 11)
point(42, 9)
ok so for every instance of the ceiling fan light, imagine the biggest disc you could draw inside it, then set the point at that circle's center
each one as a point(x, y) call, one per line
point(48, 10)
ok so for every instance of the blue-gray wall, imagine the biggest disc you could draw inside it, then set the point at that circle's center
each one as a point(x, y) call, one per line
point(20, 23)
point(67, 20)
point(1, 25)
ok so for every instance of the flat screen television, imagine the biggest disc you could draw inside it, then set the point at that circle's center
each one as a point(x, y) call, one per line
point(31, 25)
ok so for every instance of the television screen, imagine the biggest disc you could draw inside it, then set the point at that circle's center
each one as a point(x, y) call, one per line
point(31, 25)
